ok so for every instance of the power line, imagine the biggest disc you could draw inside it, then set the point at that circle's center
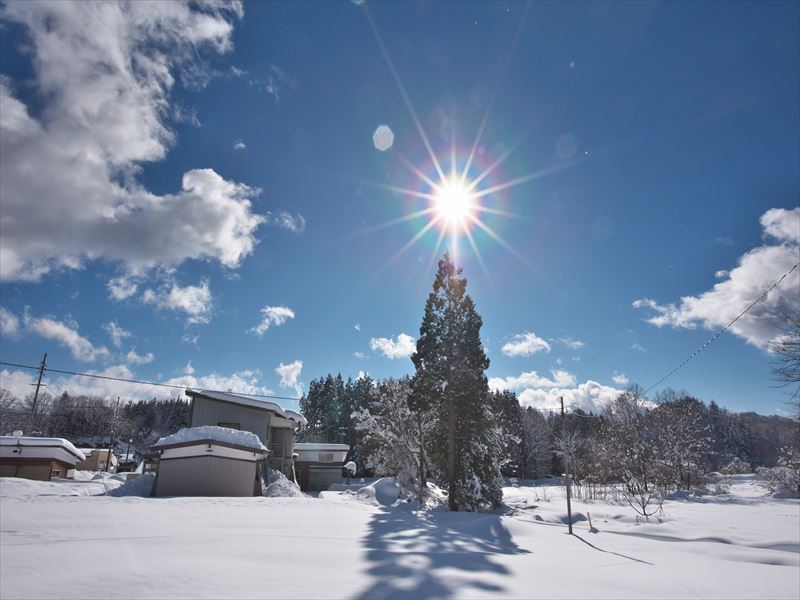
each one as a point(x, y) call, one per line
point(713, 338)
point(139, 381)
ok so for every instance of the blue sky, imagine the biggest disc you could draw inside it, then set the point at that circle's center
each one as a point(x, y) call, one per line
point(172, 179)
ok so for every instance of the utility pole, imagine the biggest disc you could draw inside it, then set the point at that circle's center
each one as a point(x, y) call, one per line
point(42, 366)
point(111, 437)
point(566, 465)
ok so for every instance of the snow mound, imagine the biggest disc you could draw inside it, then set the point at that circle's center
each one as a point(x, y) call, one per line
point(280, 487)
point(383, 492)
point(212, 432)
point(141, 486)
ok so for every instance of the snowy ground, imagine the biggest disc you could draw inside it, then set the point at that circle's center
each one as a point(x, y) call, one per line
point(344, 545)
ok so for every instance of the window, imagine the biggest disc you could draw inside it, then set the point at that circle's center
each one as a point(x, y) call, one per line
point(230, 425)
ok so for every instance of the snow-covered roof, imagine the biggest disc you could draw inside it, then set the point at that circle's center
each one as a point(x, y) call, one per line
point(296, 416)
point(223, 435)
point(12, 440)
point(250, 402)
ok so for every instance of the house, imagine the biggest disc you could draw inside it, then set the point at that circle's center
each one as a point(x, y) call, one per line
point(209, 461)
point(318, 466)
point(97, 459)
point(274, 425)
point(38, 458)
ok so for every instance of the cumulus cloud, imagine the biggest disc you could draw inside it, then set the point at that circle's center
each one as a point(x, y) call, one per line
point(620, 378)
point(68, 178)
point(272, 315)
point(116, 333)
point(9, 323)
point(243, 382)
point(359, 355)
point(589, 396)
point(284, 220)
point(525, 344)
point(193, 300)
point(402, 346)
point(531, 379)
point(239, 146)
point(756, 271)
point(290, 376)
point(133, 358)
point(67, 335)
point(188, 369)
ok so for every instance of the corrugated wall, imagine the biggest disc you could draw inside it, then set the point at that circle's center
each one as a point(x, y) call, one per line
point(205, 476)
point(209, 412)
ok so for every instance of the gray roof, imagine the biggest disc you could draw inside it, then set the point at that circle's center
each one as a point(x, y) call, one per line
point(250, 402)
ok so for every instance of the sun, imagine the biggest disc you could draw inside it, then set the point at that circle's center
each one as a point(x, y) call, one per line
point(454, 202)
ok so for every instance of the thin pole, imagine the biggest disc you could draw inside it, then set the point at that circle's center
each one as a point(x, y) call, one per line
point(42, 366)
point(566, 465)
point(111, 437)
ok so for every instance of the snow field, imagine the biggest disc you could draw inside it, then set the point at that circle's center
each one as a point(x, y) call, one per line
point(741, 545)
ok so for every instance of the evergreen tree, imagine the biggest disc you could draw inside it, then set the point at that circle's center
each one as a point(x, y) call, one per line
point(451, 382)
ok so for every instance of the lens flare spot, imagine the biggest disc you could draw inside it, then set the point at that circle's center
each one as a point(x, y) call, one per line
point(383, 138)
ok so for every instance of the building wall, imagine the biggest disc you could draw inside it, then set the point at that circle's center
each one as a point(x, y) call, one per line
point(212, 412)
point(205, 476)
point(38, 469)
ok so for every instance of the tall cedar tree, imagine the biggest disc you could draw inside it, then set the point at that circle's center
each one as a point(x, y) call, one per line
point(450, 381)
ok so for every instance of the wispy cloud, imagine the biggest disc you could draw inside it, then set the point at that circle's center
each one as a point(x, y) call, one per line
point(283, 220)
point(67, 335)
point(133, 358)
point(116, 333)
point(620, 378)
point(272, 316)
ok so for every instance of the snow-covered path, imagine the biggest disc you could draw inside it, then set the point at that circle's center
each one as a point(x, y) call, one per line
point(743, 545)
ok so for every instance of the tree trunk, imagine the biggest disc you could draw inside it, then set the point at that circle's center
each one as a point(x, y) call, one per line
point(451, 453)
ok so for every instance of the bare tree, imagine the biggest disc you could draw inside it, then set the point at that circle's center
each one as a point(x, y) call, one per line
point(786, 359)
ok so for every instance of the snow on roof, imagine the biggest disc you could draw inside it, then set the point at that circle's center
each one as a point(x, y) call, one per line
point(296, 416)
point(12, 440)
point(224, 435)
point(237, 399)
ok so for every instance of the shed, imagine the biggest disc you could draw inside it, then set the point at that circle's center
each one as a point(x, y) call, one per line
point(38, 458)
point(318, 466)
point(274, 425)
point(209, 461)
point(97, 459)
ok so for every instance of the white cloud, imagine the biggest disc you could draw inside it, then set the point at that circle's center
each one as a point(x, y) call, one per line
point(239, 146)
point(133, 358)
point(570, 343)
point(362, 375)
point(589, 396)
point(67, 335)
point(756, 271)
point(116, 333)
point(525, 344)
point(721, 274)
point(638, 347)
point(290, 376)
point(241, 382)
point(531, 379)
point(284, 220)
point(272, 315)
point(188, 369)
point(359, 355)
point(104, 72)
point(9, 323)
point(357, 326)
point(121, 288)
point(620, 378)
point(194, 300)
point(402, 346)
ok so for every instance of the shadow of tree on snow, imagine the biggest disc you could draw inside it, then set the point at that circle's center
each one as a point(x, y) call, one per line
point(434, 555)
